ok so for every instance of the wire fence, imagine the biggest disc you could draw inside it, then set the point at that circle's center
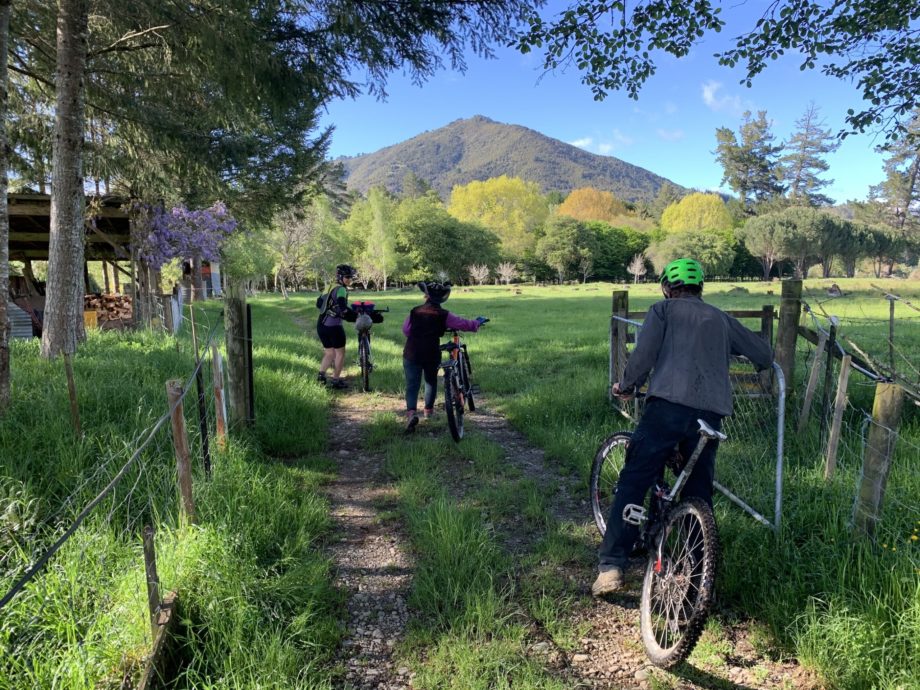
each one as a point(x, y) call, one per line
point(55, 550)
point(870, 467)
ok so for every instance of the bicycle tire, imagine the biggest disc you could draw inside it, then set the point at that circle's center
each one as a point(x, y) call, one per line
point(605, 471)
point(465, 380)
point(677, 591)
point(364, 360)
point(453, 405)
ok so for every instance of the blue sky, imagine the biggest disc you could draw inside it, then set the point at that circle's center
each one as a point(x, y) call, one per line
point(670, 130)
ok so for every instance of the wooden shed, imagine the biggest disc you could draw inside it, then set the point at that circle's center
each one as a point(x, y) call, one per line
point(108, 239)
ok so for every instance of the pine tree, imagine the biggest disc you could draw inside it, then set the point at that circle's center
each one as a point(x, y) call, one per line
point(804, 163)
point(750, 167)
point(899, 193)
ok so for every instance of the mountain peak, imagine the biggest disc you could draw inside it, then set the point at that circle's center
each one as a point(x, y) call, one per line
point(478, 148)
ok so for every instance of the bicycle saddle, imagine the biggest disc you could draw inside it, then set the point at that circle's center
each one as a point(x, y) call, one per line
point(709, 432)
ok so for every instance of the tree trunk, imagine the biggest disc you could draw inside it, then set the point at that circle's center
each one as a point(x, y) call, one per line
point(63, 326)
point(237, 362)
point(5, 327)
point(197, 281)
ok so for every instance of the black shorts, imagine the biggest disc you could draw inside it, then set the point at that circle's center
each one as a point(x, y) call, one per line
point(331, 336)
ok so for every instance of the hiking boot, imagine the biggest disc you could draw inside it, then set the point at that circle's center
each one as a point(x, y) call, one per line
point(338, 384)
point(321, 377)
point(429, 413)
point(412, 423)
point(609, 579)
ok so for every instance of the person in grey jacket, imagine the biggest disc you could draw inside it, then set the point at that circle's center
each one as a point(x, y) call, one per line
point(686, 345)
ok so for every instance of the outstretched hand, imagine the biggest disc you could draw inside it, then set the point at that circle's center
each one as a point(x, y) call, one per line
point(481, 320)
point(621, 393)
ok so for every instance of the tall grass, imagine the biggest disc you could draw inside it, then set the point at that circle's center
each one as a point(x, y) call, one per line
point(257, 608)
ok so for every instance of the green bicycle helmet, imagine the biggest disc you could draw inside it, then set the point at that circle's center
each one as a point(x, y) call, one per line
point(682, 272)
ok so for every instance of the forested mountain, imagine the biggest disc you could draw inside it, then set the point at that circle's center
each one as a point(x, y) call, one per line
point(479, 148)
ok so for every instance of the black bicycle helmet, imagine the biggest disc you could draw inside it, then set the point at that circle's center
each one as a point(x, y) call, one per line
point(343, 271)
point(436, 292)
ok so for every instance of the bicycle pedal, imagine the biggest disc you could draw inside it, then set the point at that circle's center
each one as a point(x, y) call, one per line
point(634, 515)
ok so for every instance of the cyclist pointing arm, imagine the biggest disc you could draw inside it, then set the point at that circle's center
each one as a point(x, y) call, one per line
point(684, 348)
point(423, 329)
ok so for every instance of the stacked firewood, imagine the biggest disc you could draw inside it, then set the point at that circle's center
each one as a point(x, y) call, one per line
point(112, 311)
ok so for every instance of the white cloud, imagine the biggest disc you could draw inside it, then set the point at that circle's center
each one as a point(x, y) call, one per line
point(670, 108)
point(622, 139)
point(717, 103)
point(619, 141)
point(582, 143)
point(670, 134)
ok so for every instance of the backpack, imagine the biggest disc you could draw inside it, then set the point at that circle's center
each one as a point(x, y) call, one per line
point(325, 303)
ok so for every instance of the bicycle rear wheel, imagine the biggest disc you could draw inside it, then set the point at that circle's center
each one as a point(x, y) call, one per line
point(605, 473)
point(365, 361)
point(453, 403)
point(679, 583)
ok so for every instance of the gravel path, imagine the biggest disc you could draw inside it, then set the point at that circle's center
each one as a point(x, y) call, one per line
point(372, 560)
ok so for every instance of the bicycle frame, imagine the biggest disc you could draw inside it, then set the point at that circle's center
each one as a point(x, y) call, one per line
point(636, 515)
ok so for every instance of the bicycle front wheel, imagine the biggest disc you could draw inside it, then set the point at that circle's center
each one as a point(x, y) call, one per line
point(364, 359)
point(465, 382)
point(453, 403)
point(605, 473)
point(679, 583)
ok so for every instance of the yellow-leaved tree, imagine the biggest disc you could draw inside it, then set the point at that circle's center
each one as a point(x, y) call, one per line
point(588, 203)
point(697, 211)
point(513, 209)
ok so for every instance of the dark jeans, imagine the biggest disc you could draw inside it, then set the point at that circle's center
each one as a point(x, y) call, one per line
point(414, 372)
point(663, 426)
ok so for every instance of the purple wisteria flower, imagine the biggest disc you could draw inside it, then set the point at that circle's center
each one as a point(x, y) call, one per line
point(181, 233)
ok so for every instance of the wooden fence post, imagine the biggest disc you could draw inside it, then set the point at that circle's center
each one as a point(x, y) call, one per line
point(891, 299)
point(220, 407)
point(619, 311)
point(812, 385)
point(787, 331)
point(180, 444)
point(153, 580)
point(840, 403)
point(235, 327)
point(250, 367)
point(883, 432)
point(202, 408)
point(828, 376)
point(766, 332)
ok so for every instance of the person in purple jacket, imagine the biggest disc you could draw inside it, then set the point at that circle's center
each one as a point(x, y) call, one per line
point(423, 329)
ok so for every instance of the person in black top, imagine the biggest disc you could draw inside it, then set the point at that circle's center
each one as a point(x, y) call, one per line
point(423, 329)
point(333, 309)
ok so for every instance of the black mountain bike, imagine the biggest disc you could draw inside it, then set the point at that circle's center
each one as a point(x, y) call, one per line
point(458, 384)
point(682, 544)
point(367, 315)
